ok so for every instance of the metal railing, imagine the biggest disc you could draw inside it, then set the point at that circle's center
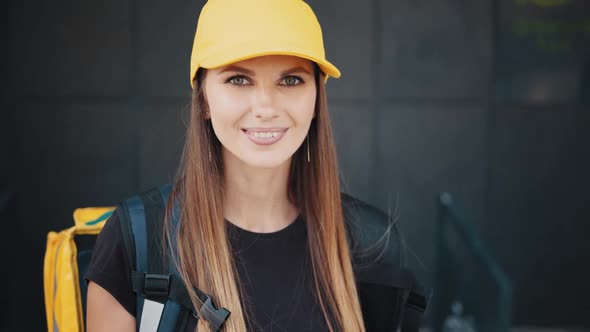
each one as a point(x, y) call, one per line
point(449, 217)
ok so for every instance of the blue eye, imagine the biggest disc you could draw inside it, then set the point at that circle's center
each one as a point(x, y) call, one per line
point(291, 81)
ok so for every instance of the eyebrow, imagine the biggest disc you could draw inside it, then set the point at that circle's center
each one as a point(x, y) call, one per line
point(237, 69)
point(249, 72)
point(298, 69)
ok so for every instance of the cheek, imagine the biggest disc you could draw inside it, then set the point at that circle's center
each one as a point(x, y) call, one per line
point(224, 108)
point(305, 106)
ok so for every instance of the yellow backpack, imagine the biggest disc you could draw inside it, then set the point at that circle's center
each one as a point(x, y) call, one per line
point(64, 266)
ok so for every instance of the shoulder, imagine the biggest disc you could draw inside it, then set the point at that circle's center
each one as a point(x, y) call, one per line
point(374, 236)
point(150, 197)
point(147, 205)
point(141, 217)
point(109, 266)
point(355, 210)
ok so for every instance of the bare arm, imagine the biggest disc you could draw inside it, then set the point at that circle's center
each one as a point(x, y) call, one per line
point(105, 313)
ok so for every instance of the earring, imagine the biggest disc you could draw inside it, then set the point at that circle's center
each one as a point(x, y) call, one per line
point(209, 145)
point(308, 148)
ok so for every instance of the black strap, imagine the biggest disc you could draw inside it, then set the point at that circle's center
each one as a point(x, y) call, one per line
point(414, 299)
point(169, 286)
point(183, 320)
point(413, 312)
point(411, 297)
point(154, 214)
point(125, 223)
point(159, 284)
point(124, 211)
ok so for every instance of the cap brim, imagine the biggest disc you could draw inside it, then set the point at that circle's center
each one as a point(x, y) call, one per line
point(243, 52)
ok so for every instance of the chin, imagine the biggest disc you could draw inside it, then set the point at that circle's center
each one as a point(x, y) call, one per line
point(266, 161)
point(254, 158)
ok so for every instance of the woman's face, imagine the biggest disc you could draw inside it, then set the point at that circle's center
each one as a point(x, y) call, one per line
point(261, 108)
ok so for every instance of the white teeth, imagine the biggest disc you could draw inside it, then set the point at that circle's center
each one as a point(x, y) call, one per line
point(265, 135)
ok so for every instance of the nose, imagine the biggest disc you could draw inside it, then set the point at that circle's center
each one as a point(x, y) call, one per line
point(264, 103)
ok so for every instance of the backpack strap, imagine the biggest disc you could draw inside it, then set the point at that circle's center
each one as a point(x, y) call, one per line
point(415, 307)
point(173, 290)
point(160, 291)
point(366, 225)
point(416, 303)
point(411, 299)
point(132, 216)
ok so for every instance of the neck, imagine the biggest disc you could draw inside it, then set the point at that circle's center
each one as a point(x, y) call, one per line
point(256, 199)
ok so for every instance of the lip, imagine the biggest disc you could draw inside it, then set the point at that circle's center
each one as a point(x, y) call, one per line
point(264, 140)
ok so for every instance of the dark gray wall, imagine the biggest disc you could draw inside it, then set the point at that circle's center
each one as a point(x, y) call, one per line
point(93, 109)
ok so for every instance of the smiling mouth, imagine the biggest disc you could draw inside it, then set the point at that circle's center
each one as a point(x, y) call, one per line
point(264, 136)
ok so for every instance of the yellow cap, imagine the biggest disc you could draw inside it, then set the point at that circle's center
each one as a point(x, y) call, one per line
point(229, 31)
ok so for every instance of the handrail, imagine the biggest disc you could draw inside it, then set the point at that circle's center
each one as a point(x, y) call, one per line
point(448, 215)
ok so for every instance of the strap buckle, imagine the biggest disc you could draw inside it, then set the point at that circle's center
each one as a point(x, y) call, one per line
point(156, 285)
point(417, 301)
point(215, 317)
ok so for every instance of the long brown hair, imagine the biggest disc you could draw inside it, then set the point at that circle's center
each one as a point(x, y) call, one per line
point(204, 257)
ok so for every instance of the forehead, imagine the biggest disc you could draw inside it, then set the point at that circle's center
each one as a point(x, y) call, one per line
point(271, 62)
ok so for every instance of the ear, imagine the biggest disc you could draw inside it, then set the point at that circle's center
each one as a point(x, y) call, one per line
point(202, 97)
point(200, 84)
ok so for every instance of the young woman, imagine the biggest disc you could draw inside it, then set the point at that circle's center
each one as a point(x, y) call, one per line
point(262, 225)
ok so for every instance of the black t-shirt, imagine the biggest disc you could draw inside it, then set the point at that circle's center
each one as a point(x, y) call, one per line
point(274, 269)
